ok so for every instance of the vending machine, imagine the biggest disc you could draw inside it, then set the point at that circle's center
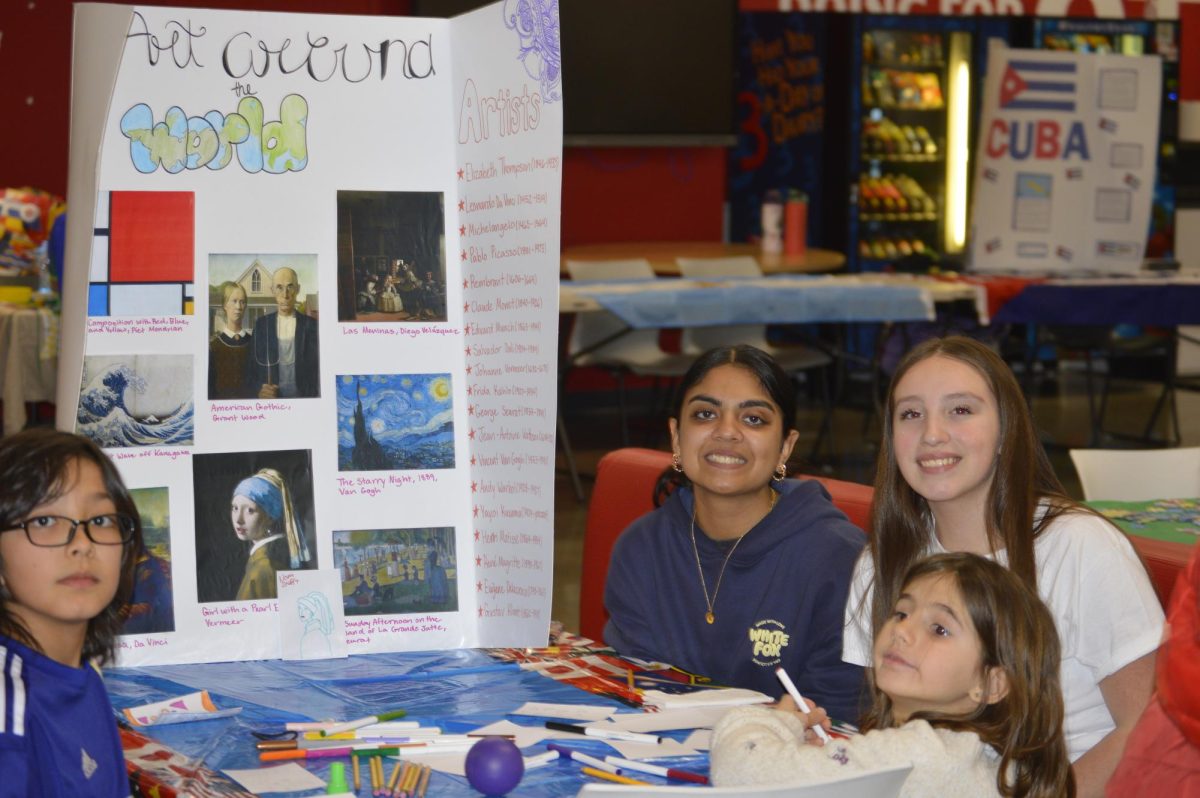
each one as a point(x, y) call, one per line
point(914, 115)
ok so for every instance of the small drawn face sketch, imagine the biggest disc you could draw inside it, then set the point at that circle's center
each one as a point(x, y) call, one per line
point(249, 521)
point(235, 307)
point(307, 616)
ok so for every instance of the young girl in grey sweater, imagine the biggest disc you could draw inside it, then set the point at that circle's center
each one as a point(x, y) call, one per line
point(965, 688)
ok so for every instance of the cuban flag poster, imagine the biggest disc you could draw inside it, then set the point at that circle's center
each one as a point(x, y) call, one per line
point(1064, 174)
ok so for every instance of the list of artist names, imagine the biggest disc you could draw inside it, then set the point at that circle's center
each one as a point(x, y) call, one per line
point(508, 251)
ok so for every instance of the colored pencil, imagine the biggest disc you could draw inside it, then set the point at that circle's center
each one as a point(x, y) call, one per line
point(423, 783)
point(354, 766)
point(395, 779)
point(604, 774)
point(409, 785)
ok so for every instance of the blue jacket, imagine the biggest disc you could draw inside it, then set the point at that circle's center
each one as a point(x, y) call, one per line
point(57, 732)
point(781, 601)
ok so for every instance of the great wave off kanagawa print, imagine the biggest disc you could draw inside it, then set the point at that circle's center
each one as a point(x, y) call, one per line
point(137, 400)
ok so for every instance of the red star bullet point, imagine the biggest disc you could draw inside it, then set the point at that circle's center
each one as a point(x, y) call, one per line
point(477, 535)
point(464, 282)
point(462, 230)
point(478, 560)
point(479, 586)
point(475, 514)
point(460, 174)
point(471, 435)
point(472, 459)
point(464, 255)
point(468, 369)
point(468, 349)
point(470, 390)
point(481, 612)
point(470, 410)
point(465, 306)
point(474, 487)
point(462, 204)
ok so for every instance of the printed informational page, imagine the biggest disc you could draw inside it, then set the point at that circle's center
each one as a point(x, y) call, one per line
point(1064, 177)
point(312, 317)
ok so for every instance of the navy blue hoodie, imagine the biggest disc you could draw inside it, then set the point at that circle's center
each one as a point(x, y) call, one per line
point(781, 601)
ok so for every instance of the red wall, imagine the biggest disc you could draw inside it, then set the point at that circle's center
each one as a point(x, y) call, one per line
point(608, 194)
point(35, 61)
point(645, 194)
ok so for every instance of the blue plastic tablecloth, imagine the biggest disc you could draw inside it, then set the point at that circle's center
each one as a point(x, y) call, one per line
point(782, 299)
point(457, 690)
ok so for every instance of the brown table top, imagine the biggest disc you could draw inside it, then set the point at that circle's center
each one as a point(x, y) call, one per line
point(662, 255)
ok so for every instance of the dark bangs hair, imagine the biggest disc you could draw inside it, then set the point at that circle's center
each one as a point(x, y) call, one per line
point(1016, 634)
point(34, 467)
point(773, 379)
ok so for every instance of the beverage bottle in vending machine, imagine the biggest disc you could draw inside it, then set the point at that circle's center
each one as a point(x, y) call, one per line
point(772, 223)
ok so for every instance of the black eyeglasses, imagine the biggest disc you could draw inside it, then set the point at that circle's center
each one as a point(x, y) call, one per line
point(110, 529)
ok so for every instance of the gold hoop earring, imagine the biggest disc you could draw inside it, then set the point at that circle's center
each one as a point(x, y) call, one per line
point(676, 464)
point(780, 472)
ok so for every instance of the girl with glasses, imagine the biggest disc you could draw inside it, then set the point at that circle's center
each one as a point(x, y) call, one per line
point(69, 537)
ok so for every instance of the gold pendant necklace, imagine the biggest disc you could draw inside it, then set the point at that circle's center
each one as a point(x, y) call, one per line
point(709, 617)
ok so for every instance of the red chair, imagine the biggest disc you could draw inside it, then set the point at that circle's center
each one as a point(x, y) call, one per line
point(624, 491)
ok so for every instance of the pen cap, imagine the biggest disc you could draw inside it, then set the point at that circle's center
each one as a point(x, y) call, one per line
point(337, 779)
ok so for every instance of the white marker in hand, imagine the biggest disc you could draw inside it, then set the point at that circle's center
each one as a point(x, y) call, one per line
point(790, 686)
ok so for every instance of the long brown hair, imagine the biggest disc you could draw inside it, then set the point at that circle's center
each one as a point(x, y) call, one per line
point(34, 468)
point(1017, 635)
point(1023, 477)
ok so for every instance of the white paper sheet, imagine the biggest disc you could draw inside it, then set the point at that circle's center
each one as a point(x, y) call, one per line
point(564, 711)
point(281, 778)
point(523, 735)
point(666, 720)
point(668, 747)
point(311, 616)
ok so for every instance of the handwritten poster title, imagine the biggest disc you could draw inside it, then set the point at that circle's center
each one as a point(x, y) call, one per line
point(179, 142)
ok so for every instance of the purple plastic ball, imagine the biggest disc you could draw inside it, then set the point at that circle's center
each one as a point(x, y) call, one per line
point(494, 766)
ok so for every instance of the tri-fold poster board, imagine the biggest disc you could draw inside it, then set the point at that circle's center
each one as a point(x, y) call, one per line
point(1065, 168)
point(310, 311)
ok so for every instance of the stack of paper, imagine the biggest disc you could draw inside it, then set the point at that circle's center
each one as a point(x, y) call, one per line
point(727, 697)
